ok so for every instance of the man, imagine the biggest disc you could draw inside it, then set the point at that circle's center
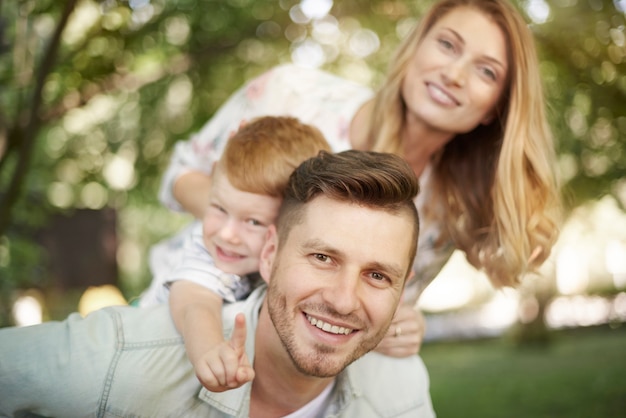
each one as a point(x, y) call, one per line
point(335, 267)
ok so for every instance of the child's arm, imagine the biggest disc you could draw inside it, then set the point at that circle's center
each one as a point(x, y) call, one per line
point(197, 313)
point(191, 190)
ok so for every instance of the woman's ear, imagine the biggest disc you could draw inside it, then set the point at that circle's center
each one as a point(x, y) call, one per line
point(268, 253)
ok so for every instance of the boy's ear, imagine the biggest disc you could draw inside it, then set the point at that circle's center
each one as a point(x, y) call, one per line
point(268, 253)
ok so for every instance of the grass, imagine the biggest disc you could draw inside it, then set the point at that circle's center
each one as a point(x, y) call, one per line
point(580, 374)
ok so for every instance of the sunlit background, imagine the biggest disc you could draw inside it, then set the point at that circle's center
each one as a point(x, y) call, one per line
point(584, 280)
point(131, 78)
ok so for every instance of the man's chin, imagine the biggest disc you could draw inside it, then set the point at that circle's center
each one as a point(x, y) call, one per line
point(323, 363)
point(319, 370)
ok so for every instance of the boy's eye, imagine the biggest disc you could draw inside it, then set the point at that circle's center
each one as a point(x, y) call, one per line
point(217, 207)
point(254, 222)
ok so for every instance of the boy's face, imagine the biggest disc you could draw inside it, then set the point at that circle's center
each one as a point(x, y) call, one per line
point(235, 225)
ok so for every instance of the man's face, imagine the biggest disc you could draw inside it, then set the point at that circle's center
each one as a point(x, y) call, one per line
point(335, 283)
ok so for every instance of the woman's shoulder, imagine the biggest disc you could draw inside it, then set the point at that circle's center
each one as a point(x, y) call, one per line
point(292, 69)
point(298, 76)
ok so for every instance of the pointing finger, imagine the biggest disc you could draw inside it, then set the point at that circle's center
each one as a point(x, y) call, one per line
point(238, 337)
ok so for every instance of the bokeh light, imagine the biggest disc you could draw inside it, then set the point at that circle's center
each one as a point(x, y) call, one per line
point(98, 297)
point(28, 308)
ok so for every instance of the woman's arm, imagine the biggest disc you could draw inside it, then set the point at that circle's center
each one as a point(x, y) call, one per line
point(315, 97)
point(191, 190)
point(182, 185)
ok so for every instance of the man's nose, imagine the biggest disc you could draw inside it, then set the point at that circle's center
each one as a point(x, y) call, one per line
point(343, 292)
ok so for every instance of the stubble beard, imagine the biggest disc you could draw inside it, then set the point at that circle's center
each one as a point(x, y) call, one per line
point(317, 363)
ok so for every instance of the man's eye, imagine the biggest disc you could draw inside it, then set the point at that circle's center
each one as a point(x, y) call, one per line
point(322, 257)
point(378, 276)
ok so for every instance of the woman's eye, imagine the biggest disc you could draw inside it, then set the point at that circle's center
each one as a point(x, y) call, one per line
point(489, 73)
point(445, 43)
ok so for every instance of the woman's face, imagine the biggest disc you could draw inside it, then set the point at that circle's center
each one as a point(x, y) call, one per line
point(457, 74)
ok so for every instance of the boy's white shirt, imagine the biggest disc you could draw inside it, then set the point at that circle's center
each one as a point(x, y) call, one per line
point(184, 257)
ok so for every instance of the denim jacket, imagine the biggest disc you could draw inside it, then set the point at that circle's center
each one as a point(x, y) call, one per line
point(131, 362)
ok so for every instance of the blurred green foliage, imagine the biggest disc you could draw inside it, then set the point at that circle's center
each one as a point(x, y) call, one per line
point(95, 94)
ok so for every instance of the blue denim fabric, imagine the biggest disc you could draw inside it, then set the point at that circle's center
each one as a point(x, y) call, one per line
point(131, 362)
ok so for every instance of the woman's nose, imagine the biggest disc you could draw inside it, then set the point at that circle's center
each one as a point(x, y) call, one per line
point(455, 73)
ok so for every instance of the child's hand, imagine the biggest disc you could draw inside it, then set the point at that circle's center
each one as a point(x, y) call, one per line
point(405, 334)
point(226, 366)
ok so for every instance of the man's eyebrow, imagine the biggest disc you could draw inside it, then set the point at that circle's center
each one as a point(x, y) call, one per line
point(319, 245)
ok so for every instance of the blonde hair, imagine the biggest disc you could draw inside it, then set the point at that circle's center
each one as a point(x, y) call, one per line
point(496, 183)
point(261, 156)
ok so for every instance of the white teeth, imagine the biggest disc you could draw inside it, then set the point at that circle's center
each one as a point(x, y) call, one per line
point(325, 326)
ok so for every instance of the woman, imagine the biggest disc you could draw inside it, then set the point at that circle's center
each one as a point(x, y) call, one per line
point(463, 104)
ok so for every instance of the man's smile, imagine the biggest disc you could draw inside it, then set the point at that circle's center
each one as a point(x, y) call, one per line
point(325, 326)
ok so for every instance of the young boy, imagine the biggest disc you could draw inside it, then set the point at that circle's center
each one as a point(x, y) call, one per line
point(247, 186)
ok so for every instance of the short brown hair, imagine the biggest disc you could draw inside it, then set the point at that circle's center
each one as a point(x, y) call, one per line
point(376, 180)
point(261, 156)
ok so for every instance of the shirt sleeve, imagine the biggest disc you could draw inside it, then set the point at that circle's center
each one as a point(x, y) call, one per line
point(204, 148)
point(37, 361)
point(197, 265)
point(163, 258)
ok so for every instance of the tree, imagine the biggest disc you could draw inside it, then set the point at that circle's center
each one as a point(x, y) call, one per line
point(584, 63)
point(94, 95)
point(97, 92)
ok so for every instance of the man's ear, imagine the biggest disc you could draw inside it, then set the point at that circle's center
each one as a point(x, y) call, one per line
point(268, 253)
